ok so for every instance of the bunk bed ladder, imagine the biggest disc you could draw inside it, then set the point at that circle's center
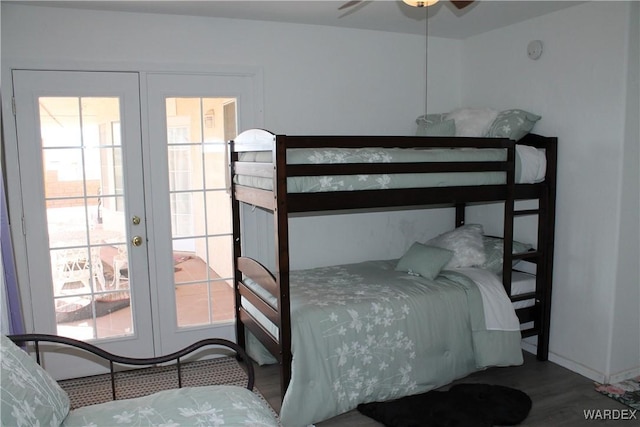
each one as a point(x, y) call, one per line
point(542, 257)
point(539, 313)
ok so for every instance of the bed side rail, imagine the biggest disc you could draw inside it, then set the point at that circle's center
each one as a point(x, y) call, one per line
point(395, 168)
point(538, 141)
point(258, 273)
point(265, 337)
point(390, 141)
point(263, 140)
point(255, 271)
point(260, 140)
point(36, 339)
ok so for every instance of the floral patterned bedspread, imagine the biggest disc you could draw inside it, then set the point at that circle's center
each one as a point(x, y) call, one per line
point(365, 332)
point(196, 406)
point(304, 184)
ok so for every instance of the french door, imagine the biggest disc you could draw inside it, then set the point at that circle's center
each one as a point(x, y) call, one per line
point(124, 183)
point(194, 116)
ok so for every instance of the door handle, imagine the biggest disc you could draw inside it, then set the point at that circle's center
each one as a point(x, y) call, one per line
point(137, 241)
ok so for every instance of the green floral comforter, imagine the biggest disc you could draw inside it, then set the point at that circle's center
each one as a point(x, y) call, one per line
point(532, 171)
point(365, 332)
point(196, 406)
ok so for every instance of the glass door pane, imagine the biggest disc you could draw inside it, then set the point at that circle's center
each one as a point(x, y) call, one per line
point(194, 115)
point(83, 186)
point(200, 204)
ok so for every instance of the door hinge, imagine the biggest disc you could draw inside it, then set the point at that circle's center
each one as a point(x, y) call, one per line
point(13, 105)
point(24, 226)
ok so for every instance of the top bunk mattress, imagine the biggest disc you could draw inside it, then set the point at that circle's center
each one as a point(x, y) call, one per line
point(530, 168)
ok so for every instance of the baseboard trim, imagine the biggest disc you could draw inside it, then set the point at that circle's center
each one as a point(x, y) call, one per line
point(568, 364)
point(624, 375)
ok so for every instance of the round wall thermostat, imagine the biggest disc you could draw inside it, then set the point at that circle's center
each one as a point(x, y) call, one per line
point(534, 49)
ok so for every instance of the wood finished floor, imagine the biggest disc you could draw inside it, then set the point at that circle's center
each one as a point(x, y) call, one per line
point(559, 396)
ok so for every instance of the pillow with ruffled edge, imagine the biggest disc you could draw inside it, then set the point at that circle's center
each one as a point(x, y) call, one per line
point(514, 124)
point(444, 128)
point(466, 244)
point(30, 396)
point(493, 249)
point(427, 261)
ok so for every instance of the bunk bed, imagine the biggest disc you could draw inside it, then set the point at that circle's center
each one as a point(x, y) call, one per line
point(286, 174)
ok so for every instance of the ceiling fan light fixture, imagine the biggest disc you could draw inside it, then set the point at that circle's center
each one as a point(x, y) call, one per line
point(418, 3)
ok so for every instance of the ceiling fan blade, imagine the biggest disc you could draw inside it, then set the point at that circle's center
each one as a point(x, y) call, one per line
point(461, 4)
point(350, 4)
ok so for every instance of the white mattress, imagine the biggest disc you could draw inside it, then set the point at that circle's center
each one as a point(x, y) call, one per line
point(522, 283)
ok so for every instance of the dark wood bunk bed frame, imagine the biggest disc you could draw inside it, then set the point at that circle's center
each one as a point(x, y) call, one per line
point(282, 204)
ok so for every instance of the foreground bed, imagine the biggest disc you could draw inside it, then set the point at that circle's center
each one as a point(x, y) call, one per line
point(274, 172)
point(31, 397)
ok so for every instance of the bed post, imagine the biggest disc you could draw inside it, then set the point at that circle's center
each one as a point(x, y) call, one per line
point(509, 207)
point(281, 234)
point(237, 249)
point(546, 238)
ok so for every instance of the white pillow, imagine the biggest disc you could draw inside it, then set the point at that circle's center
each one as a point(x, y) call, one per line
point(465, 242)
point(473, 122)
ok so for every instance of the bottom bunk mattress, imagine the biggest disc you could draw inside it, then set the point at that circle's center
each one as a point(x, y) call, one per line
point(365, 332)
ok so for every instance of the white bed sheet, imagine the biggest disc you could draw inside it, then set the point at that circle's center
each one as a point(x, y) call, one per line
point(522, 283)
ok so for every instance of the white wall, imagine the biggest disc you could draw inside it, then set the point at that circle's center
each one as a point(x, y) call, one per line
point(581, 86)
point(339, 237)
point(626, 309)
point(316, 79)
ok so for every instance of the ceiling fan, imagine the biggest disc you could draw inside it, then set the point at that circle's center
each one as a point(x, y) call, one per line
point(414, 3)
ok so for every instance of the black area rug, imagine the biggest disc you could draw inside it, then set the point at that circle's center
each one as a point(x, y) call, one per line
point(464, 405)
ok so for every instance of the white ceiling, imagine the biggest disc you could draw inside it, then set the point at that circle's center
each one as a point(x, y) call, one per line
point(384, 15)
